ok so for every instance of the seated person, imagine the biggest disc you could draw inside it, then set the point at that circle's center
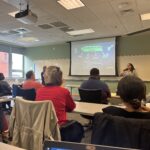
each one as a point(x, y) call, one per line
point(132, 91)
point(94, 82)
point(5, 89)
point(30, 81)
point(62, 102)
point(53, 91)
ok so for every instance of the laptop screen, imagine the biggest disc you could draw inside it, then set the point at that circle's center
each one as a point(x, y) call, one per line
point(55, 145)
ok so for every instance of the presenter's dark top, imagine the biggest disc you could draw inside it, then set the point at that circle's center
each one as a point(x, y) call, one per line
point(42, 78)
point(116, 111)
point(95, 84)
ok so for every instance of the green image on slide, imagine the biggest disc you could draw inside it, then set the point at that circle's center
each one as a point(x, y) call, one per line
point(92, 49)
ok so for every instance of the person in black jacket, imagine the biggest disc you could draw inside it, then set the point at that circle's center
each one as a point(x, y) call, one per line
point(5, 89)
point(42, 75)
point(132, 91)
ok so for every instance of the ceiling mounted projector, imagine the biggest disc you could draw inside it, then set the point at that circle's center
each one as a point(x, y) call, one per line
point(26, 16)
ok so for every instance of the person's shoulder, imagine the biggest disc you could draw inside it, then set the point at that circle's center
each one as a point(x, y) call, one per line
point(63, 89)
point(113, 110)
point(43, 88)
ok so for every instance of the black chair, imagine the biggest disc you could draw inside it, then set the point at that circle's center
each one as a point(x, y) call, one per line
point(29, 94)
point(91, 96)
point(121, 132)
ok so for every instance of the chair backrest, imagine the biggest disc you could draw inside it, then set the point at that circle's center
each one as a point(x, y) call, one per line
point(28, 94)
point(31, 122)
point(16, 90)
point(121, 132)
point(91, 96)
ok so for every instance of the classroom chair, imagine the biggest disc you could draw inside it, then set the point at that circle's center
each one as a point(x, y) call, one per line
point(29, 94)
point(90, 96)
point(121, 132)
point(31, 122)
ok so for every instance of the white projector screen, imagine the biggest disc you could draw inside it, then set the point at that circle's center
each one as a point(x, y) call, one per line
point(98, 53)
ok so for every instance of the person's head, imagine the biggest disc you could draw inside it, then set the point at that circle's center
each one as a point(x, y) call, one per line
point(2, 76)
point(132, 91)
point(30, 75)
point(130, 67)
point(94, 73)
point(44, 68)
point(53, 76)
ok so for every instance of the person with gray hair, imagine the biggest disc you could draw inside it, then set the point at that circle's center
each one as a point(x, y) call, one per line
point(62, 102)
point(53, 91)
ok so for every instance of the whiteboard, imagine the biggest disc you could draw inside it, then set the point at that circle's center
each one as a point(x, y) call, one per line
point(141, 63)
point(62, 63)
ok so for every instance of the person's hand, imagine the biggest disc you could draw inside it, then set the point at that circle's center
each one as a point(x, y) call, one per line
point(145, 108)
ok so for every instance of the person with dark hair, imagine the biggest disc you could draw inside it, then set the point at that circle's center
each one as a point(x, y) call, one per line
point(42, 75)
point(62, 102)
point(30, 81)
point(132, 91)
point(5, 90)
point(130, 70)
point(94, 83)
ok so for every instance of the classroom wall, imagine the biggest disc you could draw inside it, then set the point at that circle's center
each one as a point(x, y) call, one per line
point(134, 49)
point(11, 48)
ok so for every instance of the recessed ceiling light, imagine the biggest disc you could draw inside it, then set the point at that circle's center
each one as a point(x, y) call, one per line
point(28, 39)
point(71, 4)
point(79, 32)
point(13, 13)
point(145, 16)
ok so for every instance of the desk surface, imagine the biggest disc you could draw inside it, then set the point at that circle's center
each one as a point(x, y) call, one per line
point(4, 146)
point(89, 108)
point(72, 85)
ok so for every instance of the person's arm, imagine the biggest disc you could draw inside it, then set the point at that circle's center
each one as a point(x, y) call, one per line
point(70, 104)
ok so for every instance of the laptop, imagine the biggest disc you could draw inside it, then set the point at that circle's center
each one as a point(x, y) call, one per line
point(55, 145)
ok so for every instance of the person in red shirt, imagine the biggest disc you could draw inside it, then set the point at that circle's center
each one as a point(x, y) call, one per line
point(70, 130)
point(30, 81)
point(53, 91)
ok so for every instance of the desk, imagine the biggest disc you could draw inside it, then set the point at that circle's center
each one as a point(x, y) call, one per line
point(89, 108)
point(4, 146)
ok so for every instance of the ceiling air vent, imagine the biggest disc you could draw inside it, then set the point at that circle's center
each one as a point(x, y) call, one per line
point(126, 11)
point(22, 30)
point(45, 26)
point(17, 31)
point(58, 24)
point(66, 29)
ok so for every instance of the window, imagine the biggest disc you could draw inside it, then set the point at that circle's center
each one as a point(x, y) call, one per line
point(17, 65)
point(4, 63)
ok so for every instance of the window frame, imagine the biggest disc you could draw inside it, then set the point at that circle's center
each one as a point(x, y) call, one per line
point(10, 70)
point(16, 70)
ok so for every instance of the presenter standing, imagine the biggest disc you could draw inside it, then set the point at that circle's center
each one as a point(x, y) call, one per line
point(129, 71)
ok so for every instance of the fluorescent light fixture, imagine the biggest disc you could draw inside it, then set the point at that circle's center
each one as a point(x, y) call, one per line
point(13, 13)
point(71, 4)
point(28, 39)
point(145, 16)
point(79, 32)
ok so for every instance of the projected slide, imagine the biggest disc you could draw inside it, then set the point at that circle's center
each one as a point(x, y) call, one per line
point(99, 53)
